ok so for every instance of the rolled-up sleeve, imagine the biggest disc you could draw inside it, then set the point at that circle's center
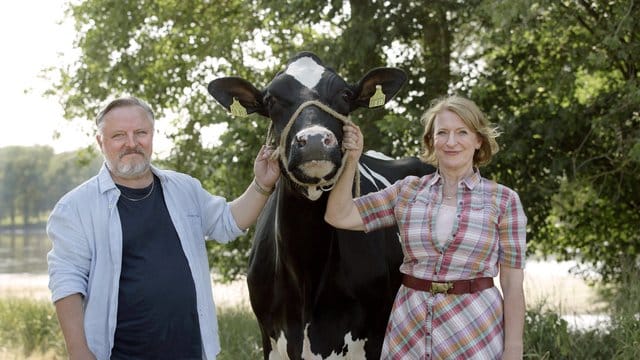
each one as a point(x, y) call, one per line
point(513, 233)
point(219, 221)
point(377, 208)
point(69, 260)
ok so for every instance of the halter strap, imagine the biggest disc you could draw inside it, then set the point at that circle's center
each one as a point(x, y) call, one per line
point(324, 185)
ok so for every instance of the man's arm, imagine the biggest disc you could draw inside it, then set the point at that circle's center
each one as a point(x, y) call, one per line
point(247, 207)
point(71, 318)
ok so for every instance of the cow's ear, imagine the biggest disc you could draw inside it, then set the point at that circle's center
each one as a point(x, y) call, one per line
point(377, 87)
point(226, 90)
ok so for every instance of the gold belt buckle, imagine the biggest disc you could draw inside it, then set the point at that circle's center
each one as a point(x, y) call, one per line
point(440, 288)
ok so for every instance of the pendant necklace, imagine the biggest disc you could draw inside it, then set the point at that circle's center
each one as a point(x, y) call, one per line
point(142, 198)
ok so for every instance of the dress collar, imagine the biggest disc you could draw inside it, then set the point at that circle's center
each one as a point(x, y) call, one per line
point(470, 181)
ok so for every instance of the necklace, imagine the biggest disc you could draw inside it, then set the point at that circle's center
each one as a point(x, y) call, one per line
point(142, 198)
point(444, 191)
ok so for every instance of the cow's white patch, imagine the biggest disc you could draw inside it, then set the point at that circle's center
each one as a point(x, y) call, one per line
point(329, 139)
point(317, 168)
point(378, 155)
point(370, 175)
point(279, 348)
point(306, 71)
point(355, 349)
point(313, 193)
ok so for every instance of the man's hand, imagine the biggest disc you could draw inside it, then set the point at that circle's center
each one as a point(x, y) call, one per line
point(266, 168)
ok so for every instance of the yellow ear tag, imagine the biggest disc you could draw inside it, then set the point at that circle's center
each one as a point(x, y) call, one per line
point(237, 109)
point(378, 98)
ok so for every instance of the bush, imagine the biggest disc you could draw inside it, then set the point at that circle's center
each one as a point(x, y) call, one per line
point(239, 334)
point(30, 327)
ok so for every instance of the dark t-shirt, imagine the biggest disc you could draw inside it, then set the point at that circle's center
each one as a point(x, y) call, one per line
point(157, 311)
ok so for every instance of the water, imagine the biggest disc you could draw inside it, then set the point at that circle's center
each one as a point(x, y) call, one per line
point(24, 252)
point(23, 272)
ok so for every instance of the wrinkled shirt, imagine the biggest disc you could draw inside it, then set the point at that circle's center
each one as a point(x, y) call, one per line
point(489, 229)
point(86, 257)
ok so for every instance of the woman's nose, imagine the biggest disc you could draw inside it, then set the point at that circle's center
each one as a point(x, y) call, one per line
point(451, 140)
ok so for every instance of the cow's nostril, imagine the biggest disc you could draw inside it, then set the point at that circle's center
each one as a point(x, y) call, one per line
point(330, 140)
point(301, 141)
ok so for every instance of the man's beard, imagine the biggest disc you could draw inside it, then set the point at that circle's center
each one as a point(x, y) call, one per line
point(129, 170)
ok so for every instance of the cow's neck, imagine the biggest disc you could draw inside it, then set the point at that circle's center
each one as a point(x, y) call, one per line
point(309, 240)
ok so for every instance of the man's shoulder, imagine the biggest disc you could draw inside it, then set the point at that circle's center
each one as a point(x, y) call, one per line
point(175, 179)
point(80, 193)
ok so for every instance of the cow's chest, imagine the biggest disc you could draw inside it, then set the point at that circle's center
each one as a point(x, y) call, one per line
point(352, 349)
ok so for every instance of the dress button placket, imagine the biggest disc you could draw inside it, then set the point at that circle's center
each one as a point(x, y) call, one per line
point(429, 327)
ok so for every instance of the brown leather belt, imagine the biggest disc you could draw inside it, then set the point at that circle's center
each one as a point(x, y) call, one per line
point(451, 287)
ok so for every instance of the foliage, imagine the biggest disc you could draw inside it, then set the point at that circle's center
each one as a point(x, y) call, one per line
point(559, 77)
point(32, 179)
point(167, 52)
point(31, 326)
point(239, 334)
point(548, 336)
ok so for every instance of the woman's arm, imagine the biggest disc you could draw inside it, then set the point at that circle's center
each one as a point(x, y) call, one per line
point(341, 211)
point(511, 280)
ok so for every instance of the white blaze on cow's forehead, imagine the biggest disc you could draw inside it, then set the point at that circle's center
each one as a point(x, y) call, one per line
point(306, 71)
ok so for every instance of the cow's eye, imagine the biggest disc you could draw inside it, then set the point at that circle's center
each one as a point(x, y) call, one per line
point(347, 95)
point(268, 101)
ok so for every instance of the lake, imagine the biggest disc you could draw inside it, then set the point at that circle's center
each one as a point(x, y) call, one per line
point(24, 252)
point(23, 273)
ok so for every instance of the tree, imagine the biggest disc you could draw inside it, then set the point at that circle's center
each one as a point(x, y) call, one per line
point(167, 52)
point(23, 184)
point(562, 79)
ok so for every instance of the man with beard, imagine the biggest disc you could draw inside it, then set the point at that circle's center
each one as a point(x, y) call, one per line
point(128, 269)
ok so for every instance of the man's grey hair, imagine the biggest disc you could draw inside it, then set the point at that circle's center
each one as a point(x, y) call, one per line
point(123, 102)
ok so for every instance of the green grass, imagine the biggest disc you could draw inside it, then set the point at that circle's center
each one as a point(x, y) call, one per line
point(239, 334)
point(29, 330)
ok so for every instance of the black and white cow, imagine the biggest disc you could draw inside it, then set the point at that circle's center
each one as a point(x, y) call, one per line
point(319, 292)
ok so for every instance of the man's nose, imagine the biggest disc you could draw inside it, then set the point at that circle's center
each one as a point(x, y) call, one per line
point(131, 140)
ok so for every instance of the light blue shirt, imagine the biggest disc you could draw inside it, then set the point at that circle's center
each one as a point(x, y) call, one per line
point(86, 256)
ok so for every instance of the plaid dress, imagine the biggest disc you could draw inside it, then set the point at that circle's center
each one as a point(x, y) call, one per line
point(489, 229)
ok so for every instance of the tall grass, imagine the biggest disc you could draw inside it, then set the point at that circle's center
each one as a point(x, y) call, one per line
point(29, 330)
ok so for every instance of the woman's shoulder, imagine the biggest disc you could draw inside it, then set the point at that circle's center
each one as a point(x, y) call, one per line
point(503, 192)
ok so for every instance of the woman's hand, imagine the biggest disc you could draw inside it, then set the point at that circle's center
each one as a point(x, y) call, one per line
point(352, 142)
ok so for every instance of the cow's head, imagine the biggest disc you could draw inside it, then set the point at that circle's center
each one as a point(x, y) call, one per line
point(308, 104)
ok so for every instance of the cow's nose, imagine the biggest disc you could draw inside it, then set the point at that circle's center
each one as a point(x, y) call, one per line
point(315, 137)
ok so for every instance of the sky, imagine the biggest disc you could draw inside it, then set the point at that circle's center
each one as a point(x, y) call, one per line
point(33, 38)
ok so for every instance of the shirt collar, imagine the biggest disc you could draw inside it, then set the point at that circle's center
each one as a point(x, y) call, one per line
point(105, 182)
point(470, 181)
